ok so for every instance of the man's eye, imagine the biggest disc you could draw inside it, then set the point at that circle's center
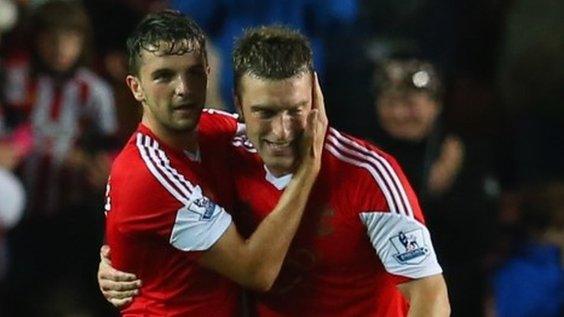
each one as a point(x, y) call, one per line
point(265, 114)
point(162, 77)
point(295, 112)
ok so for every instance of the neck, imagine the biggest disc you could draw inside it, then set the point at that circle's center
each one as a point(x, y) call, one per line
point(279, 172)
point(180, 140)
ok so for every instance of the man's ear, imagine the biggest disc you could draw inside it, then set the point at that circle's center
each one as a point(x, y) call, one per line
point(135, 86)
point(238, 106)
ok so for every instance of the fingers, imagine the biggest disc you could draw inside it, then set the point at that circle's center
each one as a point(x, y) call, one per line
point(105, 253)
point(319, 105)
point(125, 288)
point(119, 303)
point(116, 286)
point(106, 272)
point(318, 100)
point(112, 295)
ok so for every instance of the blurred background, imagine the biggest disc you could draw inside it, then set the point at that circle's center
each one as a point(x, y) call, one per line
point(468, 95)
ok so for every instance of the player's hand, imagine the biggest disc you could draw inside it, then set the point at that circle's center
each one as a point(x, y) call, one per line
point(316, 126)
point(117, 287)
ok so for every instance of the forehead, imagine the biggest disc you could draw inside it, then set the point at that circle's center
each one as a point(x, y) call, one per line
point(172, 54)
point(288, 91)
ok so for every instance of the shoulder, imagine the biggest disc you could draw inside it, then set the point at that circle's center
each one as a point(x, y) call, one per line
point(356, 151)
point(213, 120)
point(379, 181)
point(146, 172)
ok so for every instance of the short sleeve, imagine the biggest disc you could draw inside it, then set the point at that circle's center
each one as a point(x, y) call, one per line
point(388, 208)
point(199, 225)
point(158, 198)
point(403, 244)
point(394, 221)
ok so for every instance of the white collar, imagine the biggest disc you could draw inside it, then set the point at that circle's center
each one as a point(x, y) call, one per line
point(278, 182)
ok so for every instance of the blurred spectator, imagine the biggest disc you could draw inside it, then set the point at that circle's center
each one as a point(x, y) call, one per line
point(68, 113)
point(225, 20)
point(531, 281)
point(452, 177)
point(61, 99)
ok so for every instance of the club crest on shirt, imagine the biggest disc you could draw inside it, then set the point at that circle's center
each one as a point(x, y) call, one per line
point(410, 246)
point(204, 207)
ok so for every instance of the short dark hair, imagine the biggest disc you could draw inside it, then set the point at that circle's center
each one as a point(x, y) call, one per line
point(271, 52)
point(405, 75)
point(57, 15)
point(170, 27)
point(61, 14)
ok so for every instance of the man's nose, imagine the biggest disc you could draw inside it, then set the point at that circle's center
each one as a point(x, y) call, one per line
point(282, 126)
point(182, 87)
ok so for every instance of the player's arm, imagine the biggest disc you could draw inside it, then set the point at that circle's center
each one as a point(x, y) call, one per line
point(427, 296)
point(397, 231)
point(255, 262)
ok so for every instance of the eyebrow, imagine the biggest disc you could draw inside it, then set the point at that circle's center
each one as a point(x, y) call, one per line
point(165, 70)
point(161, 71)
point(259, 107)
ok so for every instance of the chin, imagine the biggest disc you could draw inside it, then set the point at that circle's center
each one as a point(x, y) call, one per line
point(281, 167)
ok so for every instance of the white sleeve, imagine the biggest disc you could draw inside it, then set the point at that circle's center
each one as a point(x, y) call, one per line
point(199, 224)
point(402, 243)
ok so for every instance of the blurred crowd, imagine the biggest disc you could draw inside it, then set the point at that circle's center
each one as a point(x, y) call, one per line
point(467, 95)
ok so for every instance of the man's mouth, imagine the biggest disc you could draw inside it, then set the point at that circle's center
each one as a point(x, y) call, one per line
point(184, 108)
point(278, 146)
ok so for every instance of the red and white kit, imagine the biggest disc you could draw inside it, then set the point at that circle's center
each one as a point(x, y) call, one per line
point(164, 207)
point(363, 232)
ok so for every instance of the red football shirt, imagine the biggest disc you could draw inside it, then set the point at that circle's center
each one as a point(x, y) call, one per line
point(363, 232)
point(163, 209)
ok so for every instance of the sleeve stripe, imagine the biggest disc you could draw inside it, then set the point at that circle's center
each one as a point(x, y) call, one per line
point(390, 181)
point(166, 181)
point(164, 160)
point(375, 173)
point(387, 168)
point(165, 169)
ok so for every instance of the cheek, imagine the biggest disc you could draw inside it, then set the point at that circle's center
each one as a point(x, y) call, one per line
point(159, 92)
point(256, 128)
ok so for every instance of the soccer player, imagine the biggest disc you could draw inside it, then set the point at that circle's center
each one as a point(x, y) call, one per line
point(164, 220)
point(362, 248)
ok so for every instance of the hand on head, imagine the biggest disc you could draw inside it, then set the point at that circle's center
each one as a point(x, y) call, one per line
point(314, 133)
